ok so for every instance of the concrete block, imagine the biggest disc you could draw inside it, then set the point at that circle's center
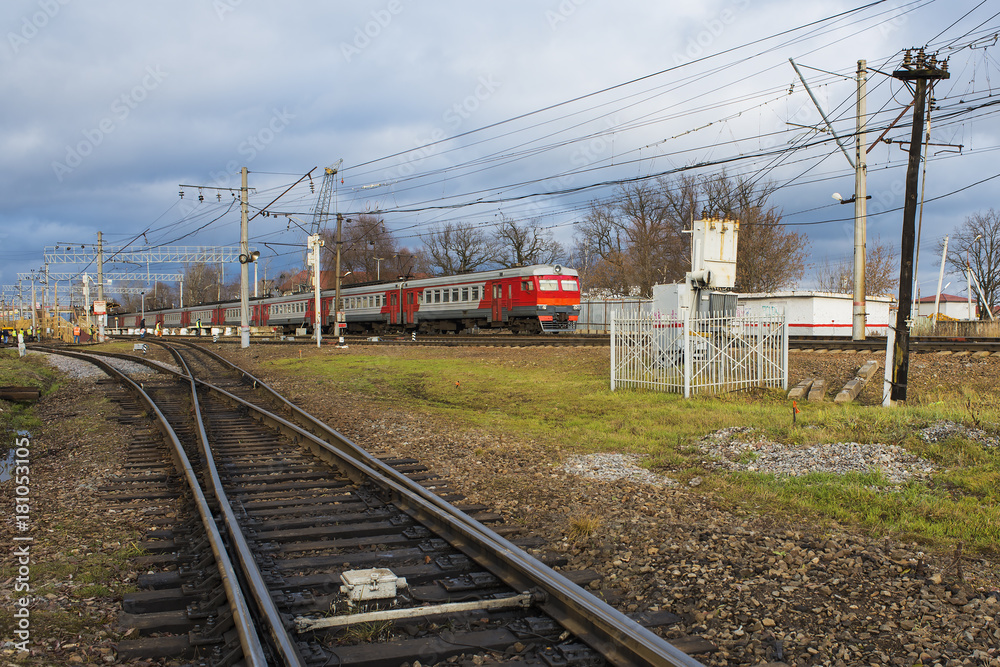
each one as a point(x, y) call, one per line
point(818, 391)
point(850, 391)
point(867, 370)
point(801, 389)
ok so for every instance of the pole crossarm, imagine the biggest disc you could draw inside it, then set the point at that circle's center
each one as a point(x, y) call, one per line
point(73, 277)
point(112, 254)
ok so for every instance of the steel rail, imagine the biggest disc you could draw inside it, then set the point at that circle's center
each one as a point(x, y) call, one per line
point(621, 640)
point(253, 650)
point(265, 603)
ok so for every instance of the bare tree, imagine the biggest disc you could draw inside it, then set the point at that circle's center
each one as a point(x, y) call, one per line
point(638, 240)
point(161, 295)
point(458, 248)
point(201, 283)
point(976, 244)
point(633, 241)
point(130, 303)
point(768, 256)
point(366, 246)
point(522, 244)
point(881, 272)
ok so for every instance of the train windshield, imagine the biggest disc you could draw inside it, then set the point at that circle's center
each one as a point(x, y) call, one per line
point(554, 285)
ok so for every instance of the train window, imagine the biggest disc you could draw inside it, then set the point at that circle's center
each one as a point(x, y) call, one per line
point(510, 291)
point(548, 285)
point(446, 296)
point(420, 297)
point(527, 286)
point(409, 298)
point(454, 294)
point(465, 294)
point(475, 293)
point(570, 285)
point(437, 296)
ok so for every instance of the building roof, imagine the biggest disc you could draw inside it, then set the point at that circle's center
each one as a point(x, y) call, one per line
point(945, 298)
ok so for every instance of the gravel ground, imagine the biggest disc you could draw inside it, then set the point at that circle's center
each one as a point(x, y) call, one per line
point(765, 591)
point(742, 448)
point(74, 368)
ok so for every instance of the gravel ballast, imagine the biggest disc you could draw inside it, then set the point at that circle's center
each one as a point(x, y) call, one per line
point(765, 590)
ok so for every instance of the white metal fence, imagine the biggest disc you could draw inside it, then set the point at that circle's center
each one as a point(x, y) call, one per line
point(702, 354)
point(595, 316)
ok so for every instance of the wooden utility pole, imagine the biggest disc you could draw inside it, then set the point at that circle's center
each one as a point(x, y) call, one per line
point(920, 70)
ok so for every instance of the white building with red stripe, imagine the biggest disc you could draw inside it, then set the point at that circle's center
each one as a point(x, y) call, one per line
point(820, 313)
point(949, 305)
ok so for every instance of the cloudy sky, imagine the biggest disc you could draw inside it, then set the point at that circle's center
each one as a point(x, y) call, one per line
point(457, 111)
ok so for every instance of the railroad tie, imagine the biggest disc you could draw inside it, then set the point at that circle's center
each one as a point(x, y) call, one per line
point(818, 391)
point(854, 386)
point(801, 389)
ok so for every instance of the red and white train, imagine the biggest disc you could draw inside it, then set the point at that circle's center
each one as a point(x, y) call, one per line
point(526, 300)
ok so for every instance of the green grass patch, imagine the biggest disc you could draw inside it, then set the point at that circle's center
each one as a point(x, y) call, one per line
point(562, 398)
point(30, 371)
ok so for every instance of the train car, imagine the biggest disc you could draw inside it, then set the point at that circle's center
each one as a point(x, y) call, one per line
point(173, 319)
point(525, 300)
point(542, 298)
point(285, 312)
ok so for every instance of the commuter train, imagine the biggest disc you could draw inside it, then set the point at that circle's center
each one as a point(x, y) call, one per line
point(526, 300)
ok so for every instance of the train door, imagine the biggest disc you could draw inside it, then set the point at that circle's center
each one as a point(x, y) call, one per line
point(409, 307)
point(497, 302)
point(394, 307)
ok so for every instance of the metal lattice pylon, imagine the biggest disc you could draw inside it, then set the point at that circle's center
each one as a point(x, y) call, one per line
point(321, 214)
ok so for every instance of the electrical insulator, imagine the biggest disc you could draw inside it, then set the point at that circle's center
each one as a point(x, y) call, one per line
point(182, 194)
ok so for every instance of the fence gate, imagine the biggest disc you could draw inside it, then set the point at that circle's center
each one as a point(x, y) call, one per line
point(701, 354)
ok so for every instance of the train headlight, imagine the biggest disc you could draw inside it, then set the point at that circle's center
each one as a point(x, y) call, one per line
point(576, 306)
point(542, 306)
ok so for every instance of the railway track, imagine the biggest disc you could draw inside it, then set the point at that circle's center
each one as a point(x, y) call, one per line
point(918, 345)
point(280, 542)
point(481, 340)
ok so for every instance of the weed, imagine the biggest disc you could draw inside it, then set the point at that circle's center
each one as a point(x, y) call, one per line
point(364, 633)
point(583, 527)
point(973, 413)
